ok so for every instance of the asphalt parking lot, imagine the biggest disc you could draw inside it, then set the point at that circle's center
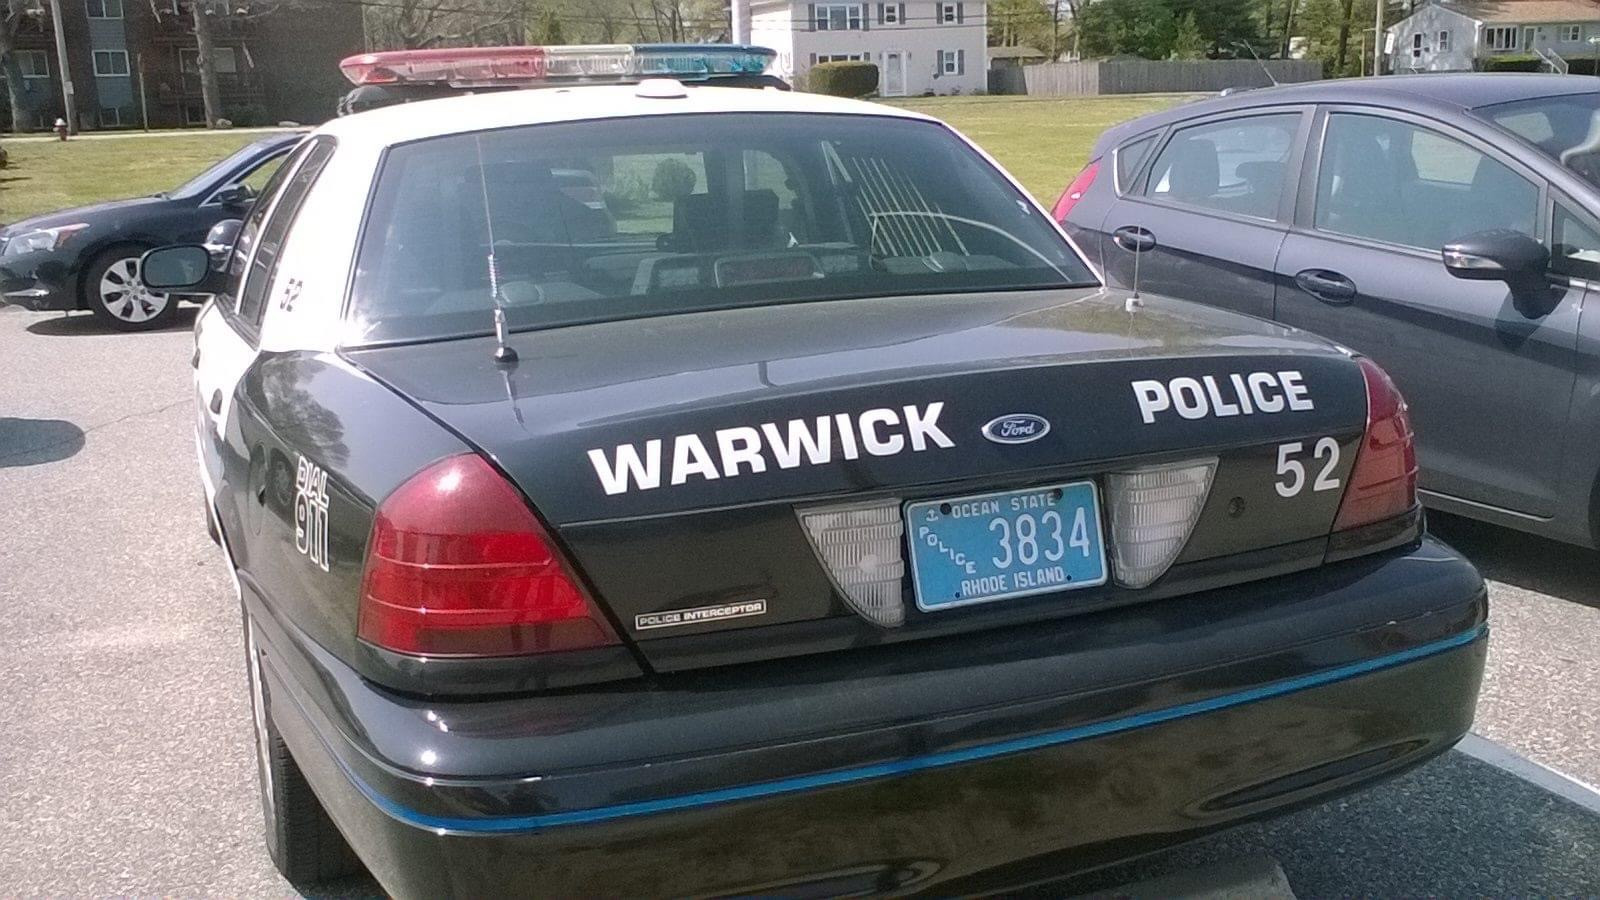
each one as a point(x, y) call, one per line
point(126, 765)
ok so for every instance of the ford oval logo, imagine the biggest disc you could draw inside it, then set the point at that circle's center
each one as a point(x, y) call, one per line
point(1016, 428)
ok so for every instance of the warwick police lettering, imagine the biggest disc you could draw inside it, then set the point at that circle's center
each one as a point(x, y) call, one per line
point(1256, 392)
point(788, 445)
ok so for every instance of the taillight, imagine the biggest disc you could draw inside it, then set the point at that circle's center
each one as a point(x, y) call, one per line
point(458, 565)
point(1075, 191)
point(1383, 483)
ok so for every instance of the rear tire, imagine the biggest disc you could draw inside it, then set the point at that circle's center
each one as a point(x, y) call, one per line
point(112, 291)
point(301, 839)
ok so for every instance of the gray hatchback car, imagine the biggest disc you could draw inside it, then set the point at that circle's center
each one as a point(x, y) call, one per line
point(1446, 225)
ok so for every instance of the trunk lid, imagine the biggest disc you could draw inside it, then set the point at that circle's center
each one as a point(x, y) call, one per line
point(672, 453)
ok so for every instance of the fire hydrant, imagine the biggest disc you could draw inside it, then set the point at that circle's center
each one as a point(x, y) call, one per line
point(61, 129)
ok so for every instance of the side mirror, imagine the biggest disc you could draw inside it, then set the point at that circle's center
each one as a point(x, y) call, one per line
point(219, 241)
point(1500, 255)
point(181, 267)
point(235, 196)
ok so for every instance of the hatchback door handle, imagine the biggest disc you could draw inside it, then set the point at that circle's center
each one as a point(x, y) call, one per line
point(216, 403)
point(1329, 287)
point(1134, 239)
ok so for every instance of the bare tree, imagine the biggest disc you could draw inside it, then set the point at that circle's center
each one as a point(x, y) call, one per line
point(24, 117)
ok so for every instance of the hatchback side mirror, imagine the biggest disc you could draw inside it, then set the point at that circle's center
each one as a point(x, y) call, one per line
point(1509, 256)
point(185, 268)
point(1499, 255)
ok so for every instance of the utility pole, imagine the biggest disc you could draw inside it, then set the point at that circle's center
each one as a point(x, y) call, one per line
point(1377, 40)
point(739, 13)
point(67, 100)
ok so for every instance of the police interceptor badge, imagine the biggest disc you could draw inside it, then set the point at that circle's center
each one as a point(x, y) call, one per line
point(699, 614)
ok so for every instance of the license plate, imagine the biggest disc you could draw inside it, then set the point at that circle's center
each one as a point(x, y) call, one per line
point(1007, 544)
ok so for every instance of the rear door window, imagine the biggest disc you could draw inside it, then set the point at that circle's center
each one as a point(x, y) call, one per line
point(1237, 166)
point(258, 278)
point(1387, 180)
point(577, 222)
point(1129, 156)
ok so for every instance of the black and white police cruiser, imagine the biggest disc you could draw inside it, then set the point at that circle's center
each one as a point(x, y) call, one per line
point(660, 488)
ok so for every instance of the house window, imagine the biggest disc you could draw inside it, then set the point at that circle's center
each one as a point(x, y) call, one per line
point(950, 14)
point(34, 63)
point(111, 63)
point(952, 62)
point(1416, 46)
point(1570, 34)
point(1500, 38)
point(103, 9)
point(837, 57)
point(838, 17)
point(225, 61)
point(889, 13)
point(1444, 42)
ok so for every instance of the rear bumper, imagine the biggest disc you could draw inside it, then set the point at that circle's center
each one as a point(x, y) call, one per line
point(1111, 734)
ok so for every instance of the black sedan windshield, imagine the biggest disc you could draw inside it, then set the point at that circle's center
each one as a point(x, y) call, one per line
point(585, 221)
point(1565, 127)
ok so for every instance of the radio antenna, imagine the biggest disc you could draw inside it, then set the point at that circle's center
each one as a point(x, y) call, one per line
point(1264, 70)
point(503, 354)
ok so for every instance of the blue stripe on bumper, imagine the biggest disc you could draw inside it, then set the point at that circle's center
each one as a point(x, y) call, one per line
point(502, 824)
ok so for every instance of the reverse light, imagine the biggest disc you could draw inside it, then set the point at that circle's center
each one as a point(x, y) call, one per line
point(458, 565)
point(1153, 511)
point(859, 545)
point(464, 67)
point(1075, 191)
point(42, 239)
point(1383, 483)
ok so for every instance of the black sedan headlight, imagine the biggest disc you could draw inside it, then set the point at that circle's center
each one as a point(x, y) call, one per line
point(41, 239)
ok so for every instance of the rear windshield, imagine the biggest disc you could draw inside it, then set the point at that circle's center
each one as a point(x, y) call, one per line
point(588, 221)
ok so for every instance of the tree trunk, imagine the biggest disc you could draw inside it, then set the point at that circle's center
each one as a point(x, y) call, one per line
point(23, 115)
point(1288, 27)
point(206, 62)
point(1344, 37)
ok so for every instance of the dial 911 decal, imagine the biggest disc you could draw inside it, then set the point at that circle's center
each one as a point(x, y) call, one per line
point(311, 512)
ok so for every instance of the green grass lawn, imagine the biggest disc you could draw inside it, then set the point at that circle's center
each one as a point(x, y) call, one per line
point(47, 175)
point(1042, 141)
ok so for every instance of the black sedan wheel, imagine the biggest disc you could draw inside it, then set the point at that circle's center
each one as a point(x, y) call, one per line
point(112, 289)
point(303, 842)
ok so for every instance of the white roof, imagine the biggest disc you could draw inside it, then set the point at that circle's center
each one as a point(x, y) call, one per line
point(499, 109)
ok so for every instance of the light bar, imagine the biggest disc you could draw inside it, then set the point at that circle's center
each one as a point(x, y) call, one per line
point(466, 67)
point(859, 545)
point(1153, 510)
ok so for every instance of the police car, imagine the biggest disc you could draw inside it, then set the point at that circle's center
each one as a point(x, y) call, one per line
point(807, 518)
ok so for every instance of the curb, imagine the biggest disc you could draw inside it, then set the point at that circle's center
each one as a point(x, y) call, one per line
point(1541, 776)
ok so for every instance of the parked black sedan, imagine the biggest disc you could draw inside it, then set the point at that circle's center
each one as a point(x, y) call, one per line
point(1446, 225)
point(88, 257)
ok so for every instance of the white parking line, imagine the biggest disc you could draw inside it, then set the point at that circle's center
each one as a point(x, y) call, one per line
point(1564, 786)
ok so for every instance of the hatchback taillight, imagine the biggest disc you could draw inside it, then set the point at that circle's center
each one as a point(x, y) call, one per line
point(1383, 483)
point(1075, 191)
point(458, 565)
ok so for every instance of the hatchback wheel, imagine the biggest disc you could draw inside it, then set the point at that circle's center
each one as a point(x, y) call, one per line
point(113, 291)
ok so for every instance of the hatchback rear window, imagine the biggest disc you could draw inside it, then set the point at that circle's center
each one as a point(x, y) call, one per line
point(579, 222)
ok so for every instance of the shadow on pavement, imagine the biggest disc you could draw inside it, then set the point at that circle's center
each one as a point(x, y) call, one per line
point(1533, 563)
point(83, 323)
point(32, 442)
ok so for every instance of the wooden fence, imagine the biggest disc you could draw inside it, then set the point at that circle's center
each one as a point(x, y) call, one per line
point(1141, 76)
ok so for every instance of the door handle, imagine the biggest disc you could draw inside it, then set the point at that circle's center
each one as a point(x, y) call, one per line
point(194, 361)
point(1329, 287)
point(216, 403)
point(1134, 239)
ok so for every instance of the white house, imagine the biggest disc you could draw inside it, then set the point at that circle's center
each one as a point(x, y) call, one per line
point(920, 46)
point(1459, 35)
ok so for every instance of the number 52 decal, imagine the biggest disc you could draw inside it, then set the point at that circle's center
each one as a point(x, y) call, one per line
point(1292, 472)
